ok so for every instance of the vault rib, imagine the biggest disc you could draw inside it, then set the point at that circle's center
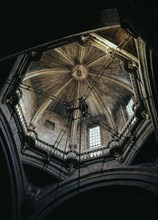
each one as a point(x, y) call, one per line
point(104, 44)
point(93, 62)
point(48, 102)
point(73, 132)
point(64, 55)
point(102, 107)
point(46, 72)
point(81, 54)
point(115, 81)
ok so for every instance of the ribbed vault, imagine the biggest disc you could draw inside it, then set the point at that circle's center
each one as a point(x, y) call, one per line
point(91, 67)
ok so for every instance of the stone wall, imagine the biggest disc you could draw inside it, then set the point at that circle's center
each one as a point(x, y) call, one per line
point(28, 102)
point(50, 134)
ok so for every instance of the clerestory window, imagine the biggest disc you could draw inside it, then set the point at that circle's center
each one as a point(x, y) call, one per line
point(129, 108)
point(94, 136)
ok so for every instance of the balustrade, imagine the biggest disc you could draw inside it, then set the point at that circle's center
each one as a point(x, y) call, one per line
point(86, 154)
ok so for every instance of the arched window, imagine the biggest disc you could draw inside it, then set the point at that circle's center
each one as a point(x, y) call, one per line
point(94, 136)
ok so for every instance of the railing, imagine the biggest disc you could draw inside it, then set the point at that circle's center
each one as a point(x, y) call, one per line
point(94, 152)
point(86, 154)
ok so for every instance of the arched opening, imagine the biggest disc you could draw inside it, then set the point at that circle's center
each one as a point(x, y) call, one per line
point(112, 202)
point(5, 189)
